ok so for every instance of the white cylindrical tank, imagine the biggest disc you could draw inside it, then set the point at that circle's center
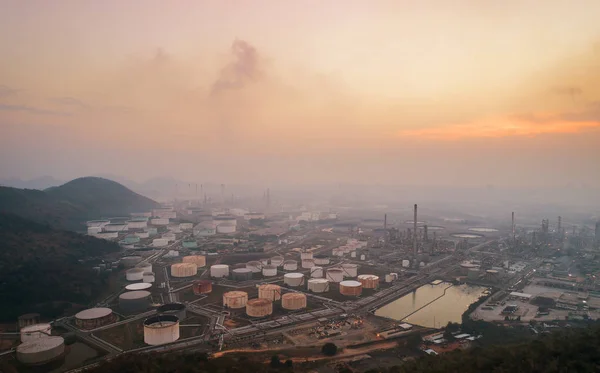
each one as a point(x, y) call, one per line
point(160, 242)
point(130, 261)
point(277, 261)
point(161, 329)
point(293, 301)
point(335, 275)
point(198, 260)
point(137, 224)
point(134, 274)
point(147, 267)
point(226, 228)
point(254, 265)
point(321, 260)
point(351, 288)
point(269, 271)
point(316, 272)
point(290, 265)
point(184, 270)
point(363, 257)
point(241, 274)
point(235, 299)
point(39, 351)
point(174, 228)
point(389, 278)
point(318, 285)
point(35, 331)
point(219, 270)
point(306, 255)
point(269, 291)
point(293, 279)
point(138, 286)
point(350, 270)
point(308, 263)
point(352, 254)
point(94, 230)
point(264, 261)
point(406, 263)
point(338, 251)
point(159, 221)
point(142, 234)
point(148, 277)
point(259, 307)
point(369, 281)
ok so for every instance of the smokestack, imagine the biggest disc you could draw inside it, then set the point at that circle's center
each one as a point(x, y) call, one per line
point(425, 237)
point(559, 225)
point(415, 232)
point(223, 194)
point(385, 222)
point(513, 229)
point(268, 198)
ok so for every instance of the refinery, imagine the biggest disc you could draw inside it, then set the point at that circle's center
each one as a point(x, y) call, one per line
point(199, 276)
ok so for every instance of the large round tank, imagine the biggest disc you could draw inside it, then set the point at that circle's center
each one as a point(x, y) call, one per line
point(277, 261)
point(138, 286)
point(160, 242)
point(241, 274)
point(226, 228)
point(161, 329)
point(306, 255)
point(290, 265)
point(235, 299)
point(175, 309)
point(130, 261)
point(184, 270)
point(473, 274)
point(269, 271)
point(293, 279)
point(254, 265)
point(36, 331)
point(293, 301)
point(202, 287)
point(350, 270)
point(389, 278)
point(350, 288)
point(338, 251)
point(406, 263)
point(308, 263)
point(134, 301)
point(134, 274)
point(219, 270)
point(321, 260)
point(148, 277)
point(42, 350)
point(352, 254)
point(318, 285)
point(369, 281)
point(198, 260)
point(147, 267)
point(264, 261)
point(94, 318)
point(363, 257)
point(316, 272)
point(259, 307)
point(269, 291)
point(334, 275)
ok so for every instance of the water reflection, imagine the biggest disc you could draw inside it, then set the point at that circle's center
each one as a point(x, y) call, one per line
point(432, 305)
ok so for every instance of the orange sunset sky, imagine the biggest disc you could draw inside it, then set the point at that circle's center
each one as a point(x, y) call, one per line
point(465, 92)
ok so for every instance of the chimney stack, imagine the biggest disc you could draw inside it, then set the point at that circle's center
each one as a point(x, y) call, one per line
point(513, 229)
point(385, 222)
point(415, 233)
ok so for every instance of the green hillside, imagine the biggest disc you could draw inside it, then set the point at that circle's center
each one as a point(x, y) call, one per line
point(68, 206)
point(39, 264)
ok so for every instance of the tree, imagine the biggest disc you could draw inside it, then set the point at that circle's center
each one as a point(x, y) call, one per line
point(329, 349)
point(275, 362)
point(289, 364)
point(414, 340)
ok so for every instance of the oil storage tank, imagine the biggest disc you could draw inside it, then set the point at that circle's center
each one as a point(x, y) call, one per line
point(350, 270)
point(241, 274)
point(369, 281)
point(93, 318)
point(306, 255)
point(308, 263)
point(148, 277)
point(134, 274)
point(316, 272)
point(134, 301)
point(293, 279)
point(335, 275)
point(161, 329)
point(321, 260)
point(318, 285)
point(277, 261)
point(184, 270)
point(219, 270)
point(36, 331)
point(198, 260)
point(254, 265)
point(293, 301)
point(290, 265)
point(269, 291)
point(269, 271)
point(147, 267)
point(40, 351)
point(235, 299)
point(259, 307)
point(202, 287)
point(350, 288)
point(175, 309)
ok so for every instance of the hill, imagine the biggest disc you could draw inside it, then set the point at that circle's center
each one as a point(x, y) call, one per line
point(39, 264)
point(69, 205)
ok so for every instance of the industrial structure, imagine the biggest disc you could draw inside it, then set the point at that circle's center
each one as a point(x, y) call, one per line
point(161, 329)
point(93, 318)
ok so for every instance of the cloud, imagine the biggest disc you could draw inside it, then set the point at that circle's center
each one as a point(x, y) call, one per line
point(243, 68)
point(6, 91)
point(69, 101)
point(568, 91)
point(32, 110)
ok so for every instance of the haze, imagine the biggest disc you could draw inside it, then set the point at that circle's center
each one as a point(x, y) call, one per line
point(461, 93)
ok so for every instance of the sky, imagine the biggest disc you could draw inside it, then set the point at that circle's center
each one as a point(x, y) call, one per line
point(460, 93)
